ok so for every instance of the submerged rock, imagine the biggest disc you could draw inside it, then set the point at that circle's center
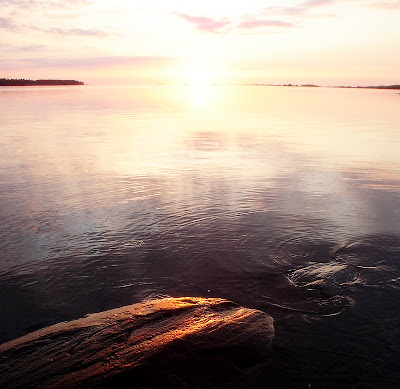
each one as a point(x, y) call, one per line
point(163, 343)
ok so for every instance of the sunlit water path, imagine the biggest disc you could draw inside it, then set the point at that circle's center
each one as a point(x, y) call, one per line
point(282, 199)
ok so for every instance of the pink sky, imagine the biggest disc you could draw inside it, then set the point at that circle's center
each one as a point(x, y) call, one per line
point(329, 42)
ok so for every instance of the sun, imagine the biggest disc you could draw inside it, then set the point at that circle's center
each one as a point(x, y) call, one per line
point(200, 77)
point(203, 69)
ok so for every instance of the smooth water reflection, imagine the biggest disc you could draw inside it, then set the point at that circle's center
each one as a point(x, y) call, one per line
point(282, 199)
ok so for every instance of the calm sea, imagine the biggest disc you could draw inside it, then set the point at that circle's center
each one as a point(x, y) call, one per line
point(282, 199)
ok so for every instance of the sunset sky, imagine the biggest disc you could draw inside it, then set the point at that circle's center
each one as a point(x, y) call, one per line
point(329, 42)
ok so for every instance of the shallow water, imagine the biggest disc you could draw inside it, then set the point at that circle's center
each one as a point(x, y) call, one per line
point(282, 199)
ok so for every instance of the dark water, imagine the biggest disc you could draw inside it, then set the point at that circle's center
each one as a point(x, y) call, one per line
point(281, 199)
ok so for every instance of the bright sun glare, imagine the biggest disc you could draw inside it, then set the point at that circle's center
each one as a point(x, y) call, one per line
point(200, 77)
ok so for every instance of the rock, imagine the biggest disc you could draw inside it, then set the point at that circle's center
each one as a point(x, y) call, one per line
point(162, 343)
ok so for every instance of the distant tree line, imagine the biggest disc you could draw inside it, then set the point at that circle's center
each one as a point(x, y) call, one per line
point(384, 87)
point(23, 82)
point(371, 87)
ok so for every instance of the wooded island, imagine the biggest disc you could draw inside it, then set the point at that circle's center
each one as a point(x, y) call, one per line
point(23, 82)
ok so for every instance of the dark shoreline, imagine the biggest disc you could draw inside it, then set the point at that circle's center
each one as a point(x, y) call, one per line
point(24, 82)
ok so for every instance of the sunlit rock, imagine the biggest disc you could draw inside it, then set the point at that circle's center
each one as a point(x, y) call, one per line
point(168, 343)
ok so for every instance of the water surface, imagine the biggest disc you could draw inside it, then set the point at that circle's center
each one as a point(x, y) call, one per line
point(281, 199)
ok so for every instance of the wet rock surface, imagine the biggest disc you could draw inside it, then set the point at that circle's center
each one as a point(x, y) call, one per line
point(162, 343)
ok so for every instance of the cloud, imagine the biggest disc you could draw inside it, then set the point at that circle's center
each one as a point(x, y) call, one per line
point(93, 62)
point(258, 23)
point(31, 47)
point(74, 31)
point(211, 25)
point(43, 3)
point(204, 24)
point(300, 8)
point(390, 6)
point(20, 9)
point(27, 48)
point(316, 3)
point(114, 61)
point(8, 24)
